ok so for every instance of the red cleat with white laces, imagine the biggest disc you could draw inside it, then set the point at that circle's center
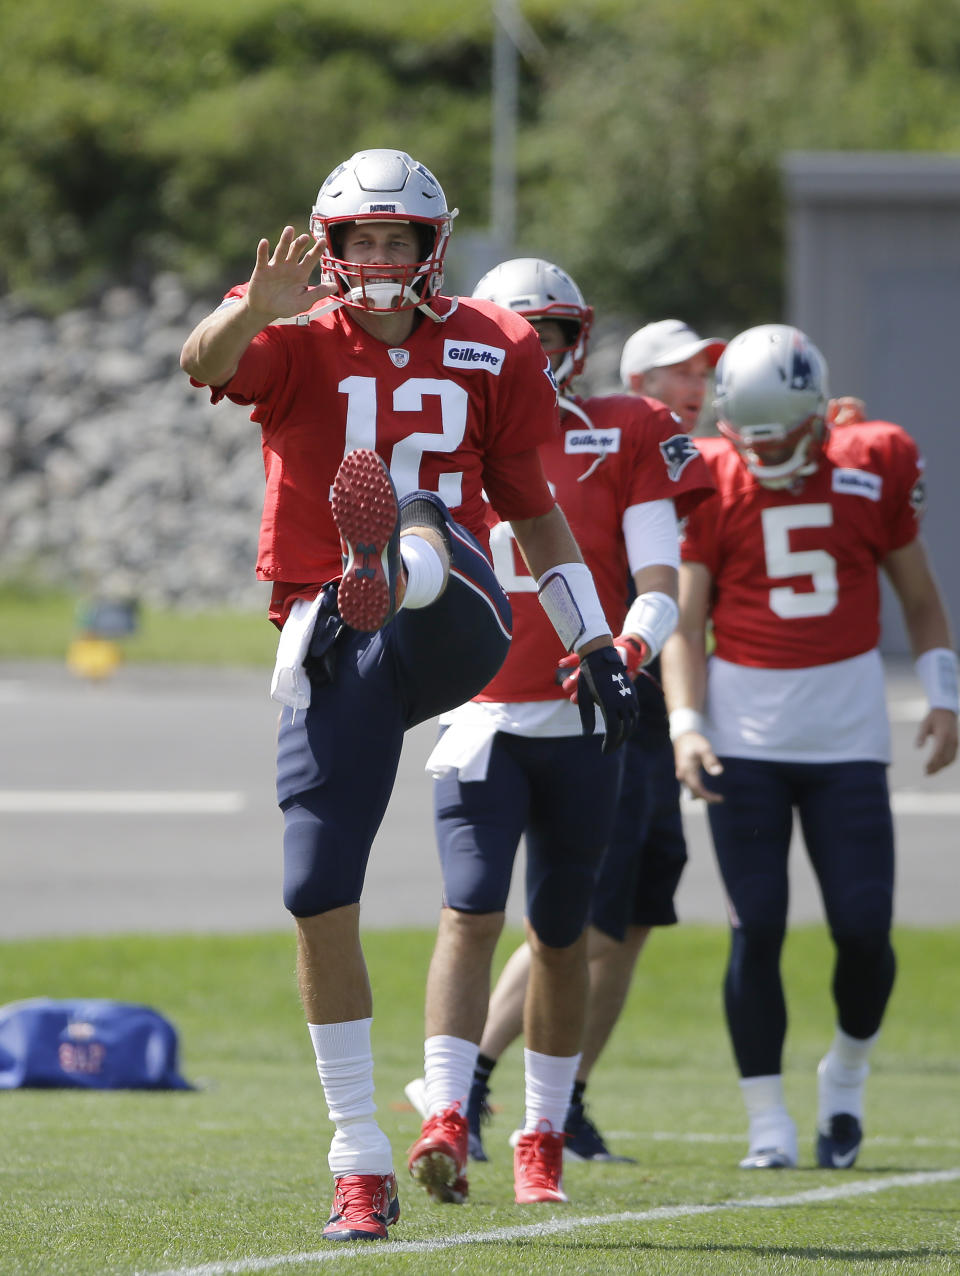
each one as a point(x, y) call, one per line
point(538, 1166)
point(364, 1206)
point(367, 515)
point(438, 1159)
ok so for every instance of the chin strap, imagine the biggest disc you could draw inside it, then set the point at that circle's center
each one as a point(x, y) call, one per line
point(425, 307)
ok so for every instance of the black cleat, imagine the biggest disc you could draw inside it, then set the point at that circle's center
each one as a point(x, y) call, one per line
point(838, 1148)
point(584, 1142)
point(479, 1113)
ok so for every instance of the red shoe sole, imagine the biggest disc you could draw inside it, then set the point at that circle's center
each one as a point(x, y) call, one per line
point(437, 1172)
point(366, 512)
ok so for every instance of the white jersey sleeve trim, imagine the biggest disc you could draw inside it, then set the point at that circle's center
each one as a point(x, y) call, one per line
point(650, 535)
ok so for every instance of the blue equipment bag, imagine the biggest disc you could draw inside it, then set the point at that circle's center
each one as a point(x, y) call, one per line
point(91, 1045)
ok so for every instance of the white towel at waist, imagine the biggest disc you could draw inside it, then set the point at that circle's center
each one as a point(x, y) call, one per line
point(290, 684)
point(465, 745)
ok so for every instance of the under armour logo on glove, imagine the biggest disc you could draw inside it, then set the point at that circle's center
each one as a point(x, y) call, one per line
point(651, 709)
point(603, 682)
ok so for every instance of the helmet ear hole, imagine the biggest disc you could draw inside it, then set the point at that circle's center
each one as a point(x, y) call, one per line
point(335, 241)
point(426, 239)
point(537, 289)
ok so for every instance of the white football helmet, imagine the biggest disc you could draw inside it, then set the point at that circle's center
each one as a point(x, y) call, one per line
point(537, 289)
point(383, 185)
point(771, 402)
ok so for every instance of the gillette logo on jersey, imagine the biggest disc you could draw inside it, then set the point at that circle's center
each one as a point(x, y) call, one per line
point(459, 354)
point(858, 483)
point(592, 440)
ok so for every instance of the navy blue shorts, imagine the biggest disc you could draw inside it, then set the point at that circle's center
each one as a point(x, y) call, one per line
point(561, 793)
point(844, 810)
point(641, 869)
point(337, 760)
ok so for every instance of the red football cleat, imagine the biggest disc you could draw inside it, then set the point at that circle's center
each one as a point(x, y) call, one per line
point(367, 515)
point(538, 1166)
point(364, 1206)
point(438, 1159)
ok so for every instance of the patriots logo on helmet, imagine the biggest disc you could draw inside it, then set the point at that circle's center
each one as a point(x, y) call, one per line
point(802, 373)
point(677, 451)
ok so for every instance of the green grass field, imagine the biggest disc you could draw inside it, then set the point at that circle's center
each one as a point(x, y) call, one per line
point(232, 1178)
point(38, 624)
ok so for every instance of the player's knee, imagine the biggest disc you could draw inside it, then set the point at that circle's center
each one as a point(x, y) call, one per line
point(471, 927)
point(760, 901)
point(558, 908)
point(316, 878)
point(867, 947)
point(756, 945)
point(864, 914)
point(312, 896)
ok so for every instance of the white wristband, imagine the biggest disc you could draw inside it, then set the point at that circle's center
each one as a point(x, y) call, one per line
point(686, 719)
point(569, 597)
point(937, 670)
point(654, 617)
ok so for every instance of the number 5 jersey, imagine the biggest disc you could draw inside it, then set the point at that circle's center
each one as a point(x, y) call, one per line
point(796, 675)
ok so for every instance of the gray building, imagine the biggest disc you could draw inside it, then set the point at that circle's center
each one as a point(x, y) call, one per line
point(873, 276)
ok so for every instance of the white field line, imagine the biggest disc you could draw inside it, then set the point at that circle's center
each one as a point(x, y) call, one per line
point(188, 802)
point(557, 1226)
point(118, 802)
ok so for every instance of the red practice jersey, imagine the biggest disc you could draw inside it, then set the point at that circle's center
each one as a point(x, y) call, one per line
point(629, 451)
point(447, 409)
point(795, 572)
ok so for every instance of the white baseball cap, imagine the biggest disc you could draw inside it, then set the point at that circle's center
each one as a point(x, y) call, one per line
point(662, 344)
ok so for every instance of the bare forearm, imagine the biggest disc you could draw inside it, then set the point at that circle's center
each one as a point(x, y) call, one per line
point(214, 349)
point(545, 541)
point(683, 666)
point(927, 626)
point(924, 614)
point(684, 656)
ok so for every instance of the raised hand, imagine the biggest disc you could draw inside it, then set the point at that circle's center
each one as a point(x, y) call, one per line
point(280, 284)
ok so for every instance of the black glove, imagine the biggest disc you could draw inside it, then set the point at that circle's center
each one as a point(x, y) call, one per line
point(603, 681)
point(652, 706)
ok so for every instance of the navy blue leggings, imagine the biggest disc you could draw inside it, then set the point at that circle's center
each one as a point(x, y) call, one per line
point(337, 760)
point(844, 811)
point(562, 794)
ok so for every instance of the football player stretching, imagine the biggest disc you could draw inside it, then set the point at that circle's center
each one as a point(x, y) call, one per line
point(386, 410)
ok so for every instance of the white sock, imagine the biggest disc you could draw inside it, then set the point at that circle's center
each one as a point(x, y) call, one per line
point(771, 1125)
point(549, 1084)
point(841, 1076)
point(425, 571)
point(345, 1065)
point(448, 1066)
